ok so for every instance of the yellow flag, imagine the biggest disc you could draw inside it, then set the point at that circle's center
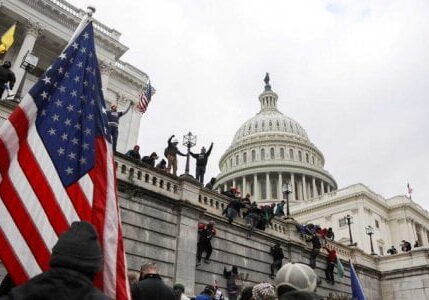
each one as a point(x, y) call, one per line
point(7, 39)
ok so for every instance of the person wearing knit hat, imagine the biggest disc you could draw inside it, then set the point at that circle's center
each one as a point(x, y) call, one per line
point(75, 259)
point(264, 291)
point(295, 281)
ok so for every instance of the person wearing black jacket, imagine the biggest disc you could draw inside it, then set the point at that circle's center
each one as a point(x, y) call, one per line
point(277, 254)
point(233, 209)
point(315, 241)
point(171, 154)
point(150, 160)
point(134, 153)
point(6, 76)
point(113, 117)
point(75, 259)
point(201, 162)
point(253, 217)
point(151, 286)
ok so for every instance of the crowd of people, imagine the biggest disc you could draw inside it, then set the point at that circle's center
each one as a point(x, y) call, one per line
point(169, 164)
point(405, 247)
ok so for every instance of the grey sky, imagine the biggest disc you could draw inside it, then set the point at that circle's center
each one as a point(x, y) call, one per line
point(354, 74)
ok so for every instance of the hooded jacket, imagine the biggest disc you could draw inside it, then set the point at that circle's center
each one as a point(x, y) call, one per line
point(75, 260)
point(151, 287)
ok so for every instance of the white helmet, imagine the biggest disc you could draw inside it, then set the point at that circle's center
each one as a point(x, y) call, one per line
point(297, 276)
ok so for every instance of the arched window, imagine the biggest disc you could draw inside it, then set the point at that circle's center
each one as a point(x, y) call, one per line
point(291, 154)
point(299, 155)
point(262, 154)
point(253, 155)
point(270, 124)
point(245, 157)
point(272, 153)
point(312, 158)
point(307, 158)
point(282, 153)
point(236, 160)
point(230, 163)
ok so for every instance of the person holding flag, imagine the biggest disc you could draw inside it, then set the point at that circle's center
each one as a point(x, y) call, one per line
point(57, 168)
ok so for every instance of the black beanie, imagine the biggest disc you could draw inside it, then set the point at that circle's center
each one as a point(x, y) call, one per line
point(78, 249)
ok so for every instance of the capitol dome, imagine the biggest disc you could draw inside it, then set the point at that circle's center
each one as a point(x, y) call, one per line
point(272, 149)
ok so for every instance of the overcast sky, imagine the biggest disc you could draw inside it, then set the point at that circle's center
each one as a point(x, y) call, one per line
point(354, 74)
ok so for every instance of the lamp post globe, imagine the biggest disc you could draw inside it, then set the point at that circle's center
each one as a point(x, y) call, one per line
point(189, 141)
point(370, 232)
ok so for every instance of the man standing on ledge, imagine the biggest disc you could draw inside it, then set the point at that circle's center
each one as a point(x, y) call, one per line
point(113, 117)
point(201, 163)
point(171, 154)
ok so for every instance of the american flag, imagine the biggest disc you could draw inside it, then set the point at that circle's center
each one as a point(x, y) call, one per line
point(144, 99)
point(57, 167)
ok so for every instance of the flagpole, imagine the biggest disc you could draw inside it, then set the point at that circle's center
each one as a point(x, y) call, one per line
point(90, 10)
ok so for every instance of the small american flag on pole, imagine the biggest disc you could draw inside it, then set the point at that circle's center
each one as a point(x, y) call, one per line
point(144, 99)
point(57, 167)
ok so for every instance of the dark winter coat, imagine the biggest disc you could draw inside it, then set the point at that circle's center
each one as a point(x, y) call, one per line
point(277, 253)
point(133, 154)
point(315, 242)
point(172, 149)
point(202, 157)
point(113, 116)
point(57, 283)
point(6, 75)
point(150, 160)
point(151, 287)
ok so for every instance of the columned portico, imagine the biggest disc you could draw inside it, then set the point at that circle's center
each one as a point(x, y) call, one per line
point(314, 187)
point(304, 188)
point(279, 187)
point(32, 31)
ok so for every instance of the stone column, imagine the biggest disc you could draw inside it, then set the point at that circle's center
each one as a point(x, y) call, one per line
point(255, 187)
point(314, 187)
point(106, 68)
point(244, 188)
point(186, 248)
point(304, 188)
point(329, 188)
point(225, 187)
point(233, 183)
point(292, 182)
point(280, 187)
point(322, 187)
point(32, 31)
point(268, 186)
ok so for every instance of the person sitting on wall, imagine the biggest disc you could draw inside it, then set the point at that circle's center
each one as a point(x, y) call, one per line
point(246, 200)
point(134, 153)
point(252, 218)
point(277, 254)
point(211, 183)
point(280, 209)
point(150, 160)
point(392, 250)
point(162, 165)
point(330, 234)
point(405, 246)
point(206, 233)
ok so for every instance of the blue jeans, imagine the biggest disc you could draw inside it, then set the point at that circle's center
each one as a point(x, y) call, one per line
point(200, 174)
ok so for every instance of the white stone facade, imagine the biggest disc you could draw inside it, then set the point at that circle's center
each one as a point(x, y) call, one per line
point(45, 26)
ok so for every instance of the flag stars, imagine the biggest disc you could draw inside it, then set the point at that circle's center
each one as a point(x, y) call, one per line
point(47, 80)
point(82, 161)
point(88, 69)
point(70, 108)
point(58, 103)
point(73, 93)
point(55, 117)
point(69, 171)
point(71, 60)
point(64, 137)
point(85, 146)
point(61, 151)
point(75, 45)
point(43, 112)
point(67, 75)
point(63, 56)
point(75, 141)
point(52, 131)
point(67, 122)
point(60, 70)
point(90, 117)
point(62, 89)
point(83, 50)
point(44, 95)
point(72, 156)
point(80, 64)
point(87, 131)
point(86, 35)
point(77, 126)
point(76, 79)
point(85, 83)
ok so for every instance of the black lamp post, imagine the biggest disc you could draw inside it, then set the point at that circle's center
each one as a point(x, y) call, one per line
point(189, 141)
point(29, 63)
point(370, 232)
point(287, 189)
point(349, 220)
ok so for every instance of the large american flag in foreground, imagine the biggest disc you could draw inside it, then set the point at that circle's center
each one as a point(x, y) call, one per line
point(57, 167)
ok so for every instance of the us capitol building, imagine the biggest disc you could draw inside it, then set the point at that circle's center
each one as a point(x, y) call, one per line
point(271, 149)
